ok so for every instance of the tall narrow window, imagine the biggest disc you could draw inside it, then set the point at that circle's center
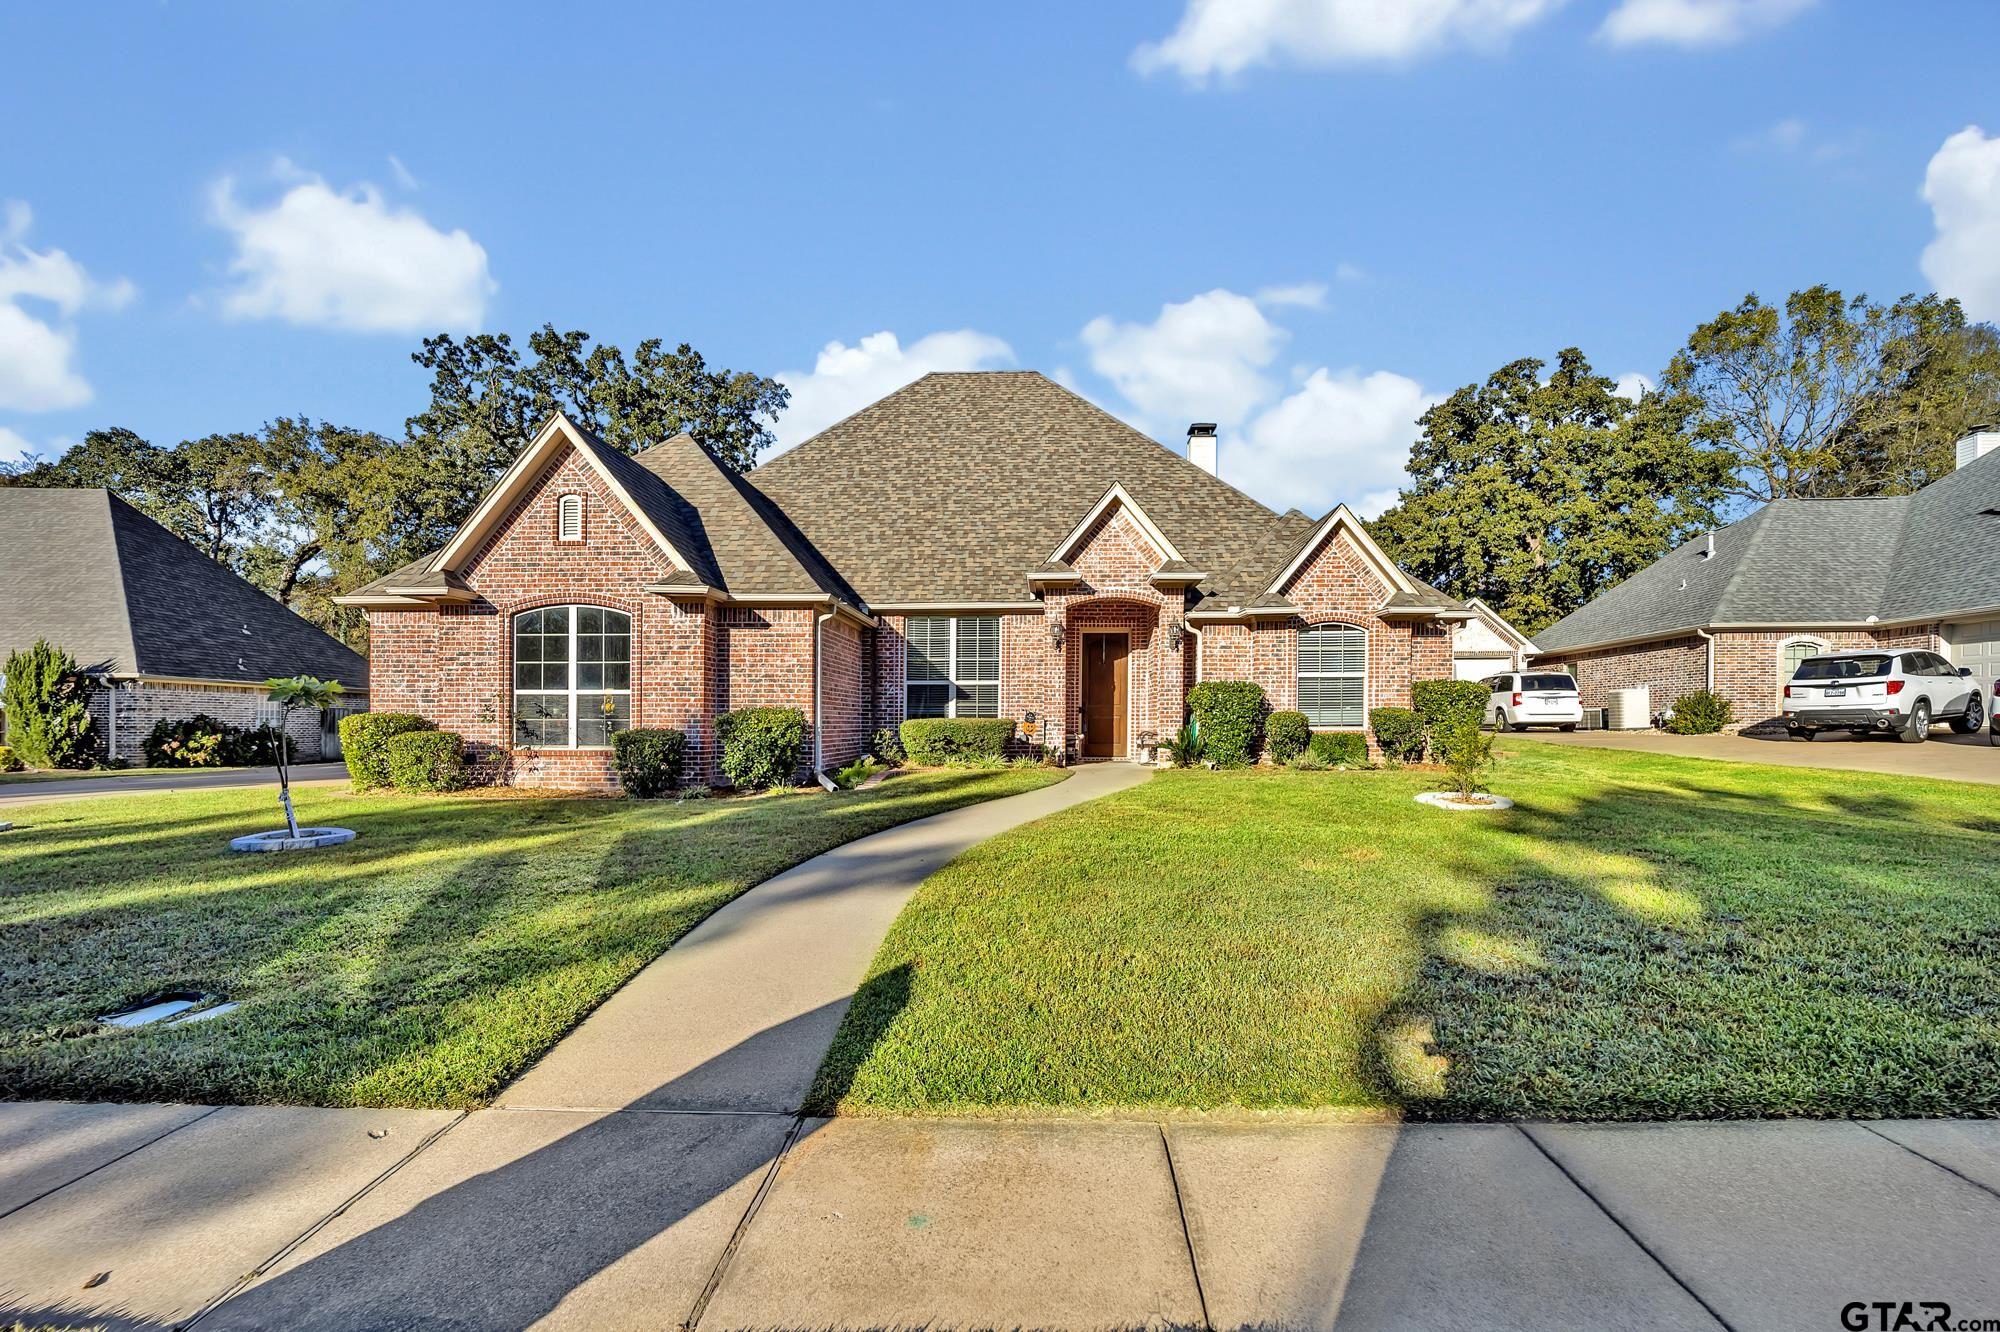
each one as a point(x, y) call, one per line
point(572, 676)
point(1333, 675)
point(952, 666)
point(569, 518)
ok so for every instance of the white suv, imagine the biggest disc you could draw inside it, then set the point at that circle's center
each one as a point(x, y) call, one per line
point(1521, 701)
point(1897, 692)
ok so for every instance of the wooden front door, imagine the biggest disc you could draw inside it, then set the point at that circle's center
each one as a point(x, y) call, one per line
point(1104, 661)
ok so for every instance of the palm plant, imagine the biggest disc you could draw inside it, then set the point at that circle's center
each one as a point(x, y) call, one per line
point(1187, 746)
point(294, 694)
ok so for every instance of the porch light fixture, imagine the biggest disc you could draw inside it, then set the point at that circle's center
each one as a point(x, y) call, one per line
point(1055, 633)
point(1176, 635)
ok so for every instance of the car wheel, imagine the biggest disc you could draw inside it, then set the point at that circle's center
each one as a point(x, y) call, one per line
point(1569, 726)
point(1973, 717)
point(1919, 729)
point(1798, 733)
point(1517, 726)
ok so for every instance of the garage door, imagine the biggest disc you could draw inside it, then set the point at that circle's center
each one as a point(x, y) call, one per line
point(1977, 646)
point(1478, 668)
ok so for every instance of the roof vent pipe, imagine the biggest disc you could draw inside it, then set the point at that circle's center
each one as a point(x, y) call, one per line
point(1977, 443)
point(1201, 446)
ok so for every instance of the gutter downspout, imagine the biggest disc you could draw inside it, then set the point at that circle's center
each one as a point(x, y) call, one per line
point(1709, 639)
point(819, 765)
point(1196, 635)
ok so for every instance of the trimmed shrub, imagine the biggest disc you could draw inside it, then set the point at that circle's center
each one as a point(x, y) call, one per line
point(935, 741)
point(1230, 716)
point(761, 747)
point(8, 761)
point(202, 741)
point(649, 759)
point(1339, 749)
point(1286, 735)
point(1399, 733)
point(363, 740)
point(46, 706)
point(1439, 703)
point(1700, 713)
point(426, 760)
point(887, 745)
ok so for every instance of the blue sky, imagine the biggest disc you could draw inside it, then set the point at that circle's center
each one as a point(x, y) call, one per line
point(1303, 218)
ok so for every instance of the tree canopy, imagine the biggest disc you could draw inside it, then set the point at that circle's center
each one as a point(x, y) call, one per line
point(1536, 494)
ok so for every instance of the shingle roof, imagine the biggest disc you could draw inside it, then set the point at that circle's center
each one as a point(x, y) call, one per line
point(1898, 558)
point(955, 486)
point(104, 582)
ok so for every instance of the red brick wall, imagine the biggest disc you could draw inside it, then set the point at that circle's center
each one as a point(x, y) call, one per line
point(1669, 667)
point(844, 725)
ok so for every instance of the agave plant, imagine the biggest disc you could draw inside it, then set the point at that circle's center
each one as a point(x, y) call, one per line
point(1187, 746)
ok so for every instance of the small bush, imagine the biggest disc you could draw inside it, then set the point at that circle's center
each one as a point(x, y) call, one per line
point(202, 741)
point(1399, 733)
point(1339, 749)
point(649, 759)
point(9, 761)
point(887, 745)
point(1440, 703)
point(761, 747)
point(1701, 713)
point(1187, 747)
point(45, 701)
point(1286, 735)
point(364, 737)
point(1466, 751)
point(426, 761)
point(1230, 716)
point(1306, 762)
point(934, 741)
point(855, 773)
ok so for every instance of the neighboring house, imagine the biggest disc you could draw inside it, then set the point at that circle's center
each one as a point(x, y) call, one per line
point(1736, 610)
point(1487, 644)
point(977, 544)
point(165, 631)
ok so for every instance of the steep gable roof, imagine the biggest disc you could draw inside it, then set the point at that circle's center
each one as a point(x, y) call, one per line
point(959, 486)
point(104, 582)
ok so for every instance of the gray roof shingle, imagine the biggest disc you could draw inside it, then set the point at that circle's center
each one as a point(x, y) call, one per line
point(99, 579)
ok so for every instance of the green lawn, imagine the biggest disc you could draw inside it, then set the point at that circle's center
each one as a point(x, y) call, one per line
point(425, 963)
point(1643, 936)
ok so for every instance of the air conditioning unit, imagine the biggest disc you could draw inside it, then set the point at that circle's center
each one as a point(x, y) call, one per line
point(1631, 709)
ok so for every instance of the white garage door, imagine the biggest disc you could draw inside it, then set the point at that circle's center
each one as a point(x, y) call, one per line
point(1478, 668)
point(1977, 646)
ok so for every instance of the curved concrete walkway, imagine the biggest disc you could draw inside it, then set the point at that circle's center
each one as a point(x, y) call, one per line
point(738, 1014)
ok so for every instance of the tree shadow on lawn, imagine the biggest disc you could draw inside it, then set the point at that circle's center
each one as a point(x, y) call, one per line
point(511, 1231)
point(1728, 959)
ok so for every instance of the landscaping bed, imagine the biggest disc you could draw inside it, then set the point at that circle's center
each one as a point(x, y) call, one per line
point(424, 964)
point(1640, 937)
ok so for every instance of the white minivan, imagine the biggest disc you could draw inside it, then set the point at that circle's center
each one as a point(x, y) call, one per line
point(1899, 693)
point(1533, 698)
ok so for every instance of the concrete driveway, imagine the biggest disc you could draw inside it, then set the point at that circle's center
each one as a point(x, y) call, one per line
point(1947, 754)
point(140, 783)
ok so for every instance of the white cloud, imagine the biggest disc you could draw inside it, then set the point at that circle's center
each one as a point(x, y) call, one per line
point(1962, 186)
point(349, 260)
point(1343, 436)
point(1202, 359)
point(1224, 37)
point(1695, 22)
point(845, 379)
point(14, 446)
point(41, 293)
point(1304, 295)
point(1633, 385)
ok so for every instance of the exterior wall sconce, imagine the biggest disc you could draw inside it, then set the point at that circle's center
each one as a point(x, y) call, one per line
point(1055, 633)
point(1176, 635)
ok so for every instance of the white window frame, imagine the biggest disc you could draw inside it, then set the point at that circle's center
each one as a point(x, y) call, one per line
point(1299, 674)
point(1778, 660)
point(569, 518)
point(569, 674)
point(952, 682)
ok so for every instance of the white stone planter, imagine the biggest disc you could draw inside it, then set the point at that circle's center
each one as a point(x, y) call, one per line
point(309, 839)
point(1481, 802)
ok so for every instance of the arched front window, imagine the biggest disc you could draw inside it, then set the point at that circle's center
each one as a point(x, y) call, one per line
point(1333, 675)
point(572, 676)
point(1790, 654)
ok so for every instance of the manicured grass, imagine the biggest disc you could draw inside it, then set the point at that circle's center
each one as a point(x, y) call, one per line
point(1641, 937)
point(425, 963)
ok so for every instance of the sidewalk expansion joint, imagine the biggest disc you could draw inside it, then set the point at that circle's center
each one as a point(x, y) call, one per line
point(113, 1161)
point(743, 1226)
point(1922, 1157)
point(1187, 1233)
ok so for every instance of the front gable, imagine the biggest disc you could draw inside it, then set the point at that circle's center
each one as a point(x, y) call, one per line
point(1342, 533)
point(566, 533)
point(1116, 544)
point(1336, 576)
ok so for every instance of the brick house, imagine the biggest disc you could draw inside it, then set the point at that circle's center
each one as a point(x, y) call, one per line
point(978, 544)
point(163, 630)
point(1736, 610)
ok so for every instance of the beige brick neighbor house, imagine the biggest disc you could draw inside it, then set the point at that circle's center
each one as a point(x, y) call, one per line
point(1737, 609)
point(978, 544)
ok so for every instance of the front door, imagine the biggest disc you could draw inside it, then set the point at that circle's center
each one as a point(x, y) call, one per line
point(1104, 694)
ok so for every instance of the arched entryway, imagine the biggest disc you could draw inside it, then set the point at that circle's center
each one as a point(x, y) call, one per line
point(1123, 686)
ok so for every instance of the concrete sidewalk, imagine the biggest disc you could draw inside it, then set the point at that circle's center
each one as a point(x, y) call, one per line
point(147, 1216)
point(142, 783)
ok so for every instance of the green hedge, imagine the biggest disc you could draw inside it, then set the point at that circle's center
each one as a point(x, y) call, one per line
point(935, 741)
point(761, 747)
point(45, 703)
point(1339, 749)
point(9, 761)
point(202, 741)
point(426, 760)
point(649, 759)
point(1230, 716)
point(363, 740)
point(1399, 733)
point(887, 745)
point(1700, 713)
point(1440, 704)
point(1286, 735)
